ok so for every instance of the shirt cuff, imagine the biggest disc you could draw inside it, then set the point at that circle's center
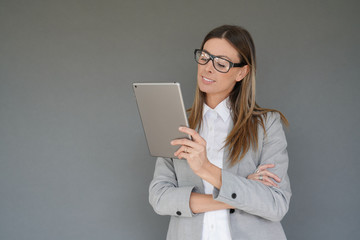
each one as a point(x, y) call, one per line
point(183, 202)
point(226, 193)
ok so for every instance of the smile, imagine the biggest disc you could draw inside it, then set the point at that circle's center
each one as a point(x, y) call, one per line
point(207, 80)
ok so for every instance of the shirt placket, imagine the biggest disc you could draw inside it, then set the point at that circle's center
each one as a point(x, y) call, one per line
point(212, 215)
point(212, 118)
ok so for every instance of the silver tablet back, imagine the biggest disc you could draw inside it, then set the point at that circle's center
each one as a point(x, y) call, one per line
point(162, 112)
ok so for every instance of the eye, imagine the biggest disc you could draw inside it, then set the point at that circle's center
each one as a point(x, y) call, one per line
point(221, 63)
point(204, 57)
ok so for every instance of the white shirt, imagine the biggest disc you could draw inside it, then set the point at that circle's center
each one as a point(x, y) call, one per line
point(214, 130)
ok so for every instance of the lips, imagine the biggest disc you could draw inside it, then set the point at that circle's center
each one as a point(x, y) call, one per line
point(207, 80)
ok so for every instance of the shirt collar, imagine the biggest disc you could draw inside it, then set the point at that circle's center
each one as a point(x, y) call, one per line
point(223, 109)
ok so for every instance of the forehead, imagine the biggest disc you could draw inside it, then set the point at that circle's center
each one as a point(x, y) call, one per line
point(221, 47)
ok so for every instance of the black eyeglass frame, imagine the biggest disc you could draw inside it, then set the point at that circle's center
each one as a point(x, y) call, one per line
point(241, 64)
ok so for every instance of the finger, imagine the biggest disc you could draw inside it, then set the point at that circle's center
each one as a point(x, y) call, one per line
point(263, 182)
point(183, 155)
point(182, 149)
point(270, 174)
point(269, 181)
point(184, 142)
point(253, 176)
point(194, 134)
point(265, 166)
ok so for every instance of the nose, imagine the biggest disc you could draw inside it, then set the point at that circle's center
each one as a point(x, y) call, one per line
point(209, 67)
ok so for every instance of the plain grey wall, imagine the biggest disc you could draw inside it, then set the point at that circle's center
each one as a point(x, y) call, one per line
point(73, 157)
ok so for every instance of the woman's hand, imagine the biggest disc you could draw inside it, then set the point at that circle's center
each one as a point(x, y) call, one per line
point(264, 176)
point(194, 151)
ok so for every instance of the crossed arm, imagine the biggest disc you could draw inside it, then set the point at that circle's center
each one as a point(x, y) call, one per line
point(205, 202)
point(195, 153)
point(262, 196)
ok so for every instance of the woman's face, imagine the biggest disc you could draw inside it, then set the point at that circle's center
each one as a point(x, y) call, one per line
point(217, 85)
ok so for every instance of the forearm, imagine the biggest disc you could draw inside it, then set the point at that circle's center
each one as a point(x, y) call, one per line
point(200, 203)
point(165, 195)
point(211, 174)
point(253, 197)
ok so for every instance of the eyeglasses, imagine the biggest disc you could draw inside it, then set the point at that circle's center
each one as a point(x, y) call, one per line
point(222, 65)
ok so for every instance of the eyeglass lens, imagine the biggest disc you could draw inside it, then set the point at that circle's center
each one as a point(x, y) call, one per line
point(219, 64)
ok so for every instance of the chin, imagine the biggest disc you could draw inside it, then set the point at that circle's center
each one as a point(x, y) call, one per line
point(206, 89)
point(203, 88)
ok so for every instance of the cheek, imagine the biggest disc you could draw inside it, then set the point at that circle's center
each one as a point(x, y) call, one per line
point(227, 78)
point(200, 68)
point(231, 76)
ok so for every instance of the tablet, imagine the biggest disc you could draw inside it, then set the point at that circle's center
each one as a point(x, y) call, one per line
point(162, 112)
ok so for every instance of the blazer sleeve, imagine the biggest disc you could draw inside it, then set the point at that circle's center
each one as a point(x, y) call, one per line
point(165, 196)
point(253, 197)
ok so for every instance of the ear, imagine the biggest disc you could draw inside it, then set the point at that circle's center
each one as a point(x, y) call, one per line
point(242, 73)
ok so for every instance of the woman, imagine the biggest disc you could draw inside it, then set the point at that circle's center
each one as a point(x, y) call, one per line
point(230, 181)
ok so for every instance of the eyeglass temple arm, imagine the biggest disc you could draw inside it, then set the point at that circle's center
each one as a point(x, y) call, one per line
point(239, 64)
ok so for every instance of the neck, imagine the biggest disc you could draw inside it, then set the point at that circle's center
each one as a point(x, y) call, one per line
point(213, 101)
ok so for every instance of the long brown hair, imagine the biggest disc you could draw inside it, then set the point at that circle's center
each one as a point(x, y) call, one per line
point(246, 114)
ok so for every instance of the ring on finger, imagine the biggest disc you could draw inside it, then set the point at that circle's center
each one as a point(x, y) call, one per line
point(257, 171)
point(261, 177)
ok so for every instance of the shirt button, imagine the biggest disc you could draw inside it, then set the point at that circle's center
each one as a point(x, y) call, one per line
point(178, 213)
point(233, 195)
point(232, 211)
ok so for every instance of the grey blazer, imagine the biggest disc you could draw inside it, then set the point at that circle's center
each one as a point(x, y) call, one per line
point(258, 208)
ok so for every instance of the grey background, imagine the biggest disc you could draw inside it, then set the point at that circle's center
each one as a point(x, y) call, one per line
point(74, 163)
